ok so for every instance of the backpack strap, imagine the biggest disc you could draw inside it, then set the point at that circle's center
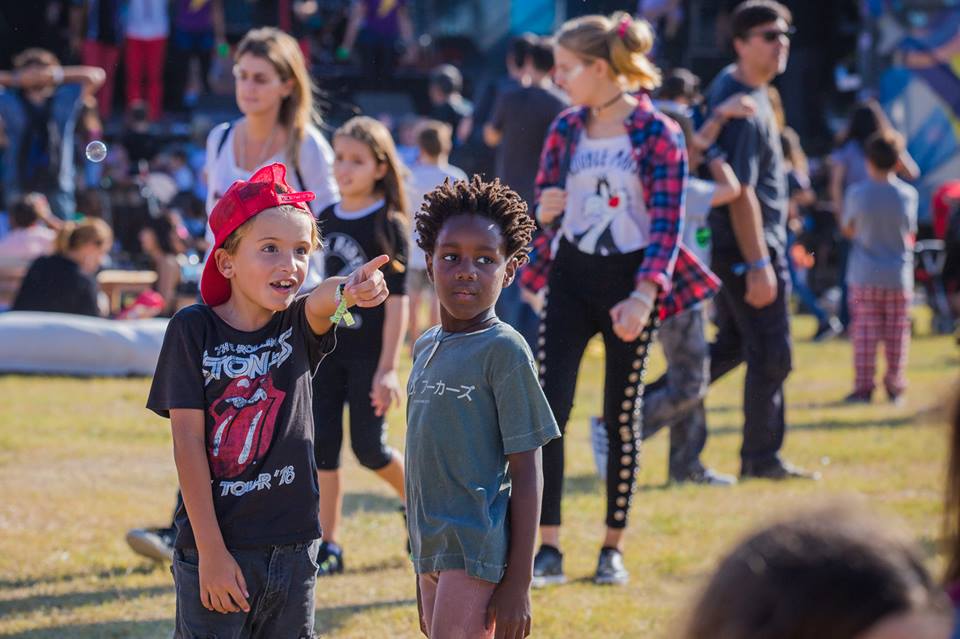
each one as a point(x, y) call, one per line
point(223, 138)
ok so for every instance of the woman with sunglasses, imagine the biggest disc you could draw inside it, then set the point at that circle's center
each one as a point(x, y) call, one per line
point(615, 168)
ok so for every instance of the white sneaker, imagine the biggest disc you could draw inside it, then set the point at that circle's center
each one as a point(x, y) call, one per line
point(155, 543)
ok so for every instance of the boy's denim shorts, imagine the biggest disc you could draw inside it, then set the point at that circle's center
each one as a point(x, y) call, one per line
point(281, 581)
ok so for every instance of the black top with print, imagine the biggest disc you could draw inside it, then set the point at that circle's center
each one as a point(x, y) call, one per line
point(255, 390)
point(349, 242)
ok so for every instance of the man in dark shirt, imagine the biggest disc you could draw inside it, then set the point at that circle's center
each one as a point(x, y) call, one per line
point(520, 120)
point(749, 240)
point(517, 128)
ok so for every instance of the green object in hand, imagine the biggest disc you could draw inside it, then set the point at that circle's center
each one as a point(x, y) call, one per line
point(341, 312)
point(223, 49)
point(342, 53)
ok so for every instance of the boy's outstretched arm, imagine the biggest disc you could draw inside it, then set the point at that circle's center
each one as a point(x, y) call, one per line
point(364, 287)
point(510, 606)
point(222, 586)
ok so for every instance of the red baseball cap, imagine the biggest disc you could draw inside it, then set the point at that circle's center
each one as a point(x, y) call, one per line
point(266, 189)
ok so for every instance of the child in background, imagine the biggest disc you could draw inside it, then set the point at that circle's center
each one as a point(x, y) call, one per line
point(234, 379)
point(160, 244)
point(801, 195)
point(33, 229)
point(476, 419)
point(675, 400)
point(434, 140)
point(828, 574)
point(370, 219)
point(880, 218)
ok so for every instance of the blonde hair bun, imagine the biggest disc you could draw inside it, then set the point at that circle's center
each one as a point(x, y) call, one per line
point(619, 39)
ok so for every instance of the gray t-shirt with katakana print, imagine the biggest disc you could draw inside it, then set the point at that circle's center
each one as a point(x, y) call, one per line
point(473, 398)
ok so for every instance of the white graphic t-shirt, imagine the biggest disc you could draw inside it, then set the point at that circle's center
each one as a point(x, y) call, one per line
point(605, 212)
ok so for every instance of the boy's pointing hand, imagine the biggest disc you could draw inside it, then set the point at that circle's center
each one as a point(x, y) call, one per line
point(365, 287)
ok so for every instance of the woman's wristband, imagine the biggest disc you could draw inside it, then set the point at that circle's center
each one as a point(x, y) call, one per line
point(641, 296)
point(743, 267)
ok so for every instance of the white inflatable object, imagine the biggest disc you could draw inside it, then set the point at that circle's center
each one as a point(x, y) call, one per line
point(64, 344)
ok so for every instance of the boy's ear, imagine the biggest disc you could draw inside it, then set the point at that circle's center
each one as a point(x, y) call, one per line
point(510, 272)
point(430, 267)
point(224, 263)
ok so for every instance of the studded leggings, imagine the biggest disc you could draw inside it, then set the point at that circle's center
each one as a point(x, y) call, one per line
point(582, 289)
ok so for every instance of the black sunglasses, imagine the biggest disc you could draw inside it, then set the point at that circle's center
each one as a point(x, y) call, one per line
point(772, 35)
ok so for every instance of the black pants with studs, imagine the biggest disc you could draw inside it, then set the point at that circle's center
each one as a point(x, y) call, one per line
point(582, 288)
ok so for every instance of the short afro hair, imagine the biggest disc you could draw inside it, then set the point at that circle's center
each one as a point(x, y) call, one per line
point(492, 200)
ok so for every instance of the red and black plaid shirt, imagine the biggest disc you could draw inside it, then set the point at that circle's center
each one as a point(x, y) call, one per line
point(660, 153)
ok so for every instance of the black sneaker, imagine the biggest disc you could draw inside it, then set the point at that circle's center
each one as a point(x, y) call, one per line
point(703, 476)
point(610, 570)
point(778, 472)
point(548, 567)
point(858, 397)
point(827, 331)
point(155, 543)
point(330, 559)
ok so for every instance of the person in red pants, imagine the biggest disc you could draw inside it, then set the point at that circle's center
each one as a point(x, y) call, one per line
point(147, 27)
point(97, 29)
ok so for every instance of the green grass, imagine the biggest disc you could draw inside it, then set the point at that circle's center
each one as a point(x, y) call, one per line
point(81, 461)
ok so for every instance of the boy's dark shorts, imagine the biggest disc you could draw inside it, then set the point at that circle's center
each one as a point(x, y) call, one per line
point(281, 581)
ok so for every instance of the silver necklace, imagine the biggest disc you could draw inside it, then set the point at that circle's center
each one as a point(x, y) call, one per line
point(259, 158)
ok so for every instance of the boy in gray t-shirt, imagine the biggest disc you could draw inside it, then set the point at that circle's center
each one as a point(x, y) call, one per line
point(476, 419)
point(880, 218)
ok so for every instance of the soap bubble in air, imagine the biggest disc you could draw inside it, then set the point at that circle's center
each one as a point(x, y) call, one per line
point(96, 151)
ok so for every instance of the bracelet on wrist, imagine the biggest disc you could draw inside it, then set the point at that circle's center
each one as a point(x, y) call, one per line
point(744, 267)
point(341, 313)
point(641, 296)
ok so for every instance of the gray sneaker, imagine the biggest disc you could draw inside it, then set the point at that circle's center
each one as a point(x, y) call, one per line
point(155, 543)
point(548, 567)
point(610, 570)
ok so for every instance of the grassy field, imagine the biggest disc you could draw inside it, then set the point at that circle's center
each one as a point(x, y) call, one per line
point(81, 461)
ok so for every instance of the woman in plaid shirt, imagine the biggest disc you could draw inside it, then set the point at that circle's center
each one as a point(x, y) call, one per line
point(610, 204)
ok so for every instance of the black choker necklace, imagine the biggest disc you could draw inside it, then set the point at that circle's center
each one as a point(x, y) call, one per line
point(596, 110)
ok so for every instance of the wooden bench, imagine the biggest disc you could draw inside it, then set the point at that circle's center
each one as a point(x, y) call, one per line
point(119, 283)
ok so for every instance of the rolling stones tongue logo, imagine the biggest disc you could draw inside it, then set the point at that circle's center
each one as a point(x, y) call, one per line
point(243, 422)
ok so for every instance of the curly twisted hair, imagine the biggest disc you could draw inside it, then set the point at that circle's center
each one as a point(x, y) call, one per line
point(492, 200)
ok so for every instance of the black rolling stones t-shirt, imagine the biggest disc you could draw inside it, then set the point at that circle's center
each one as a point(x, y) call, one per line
point(256, 393)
